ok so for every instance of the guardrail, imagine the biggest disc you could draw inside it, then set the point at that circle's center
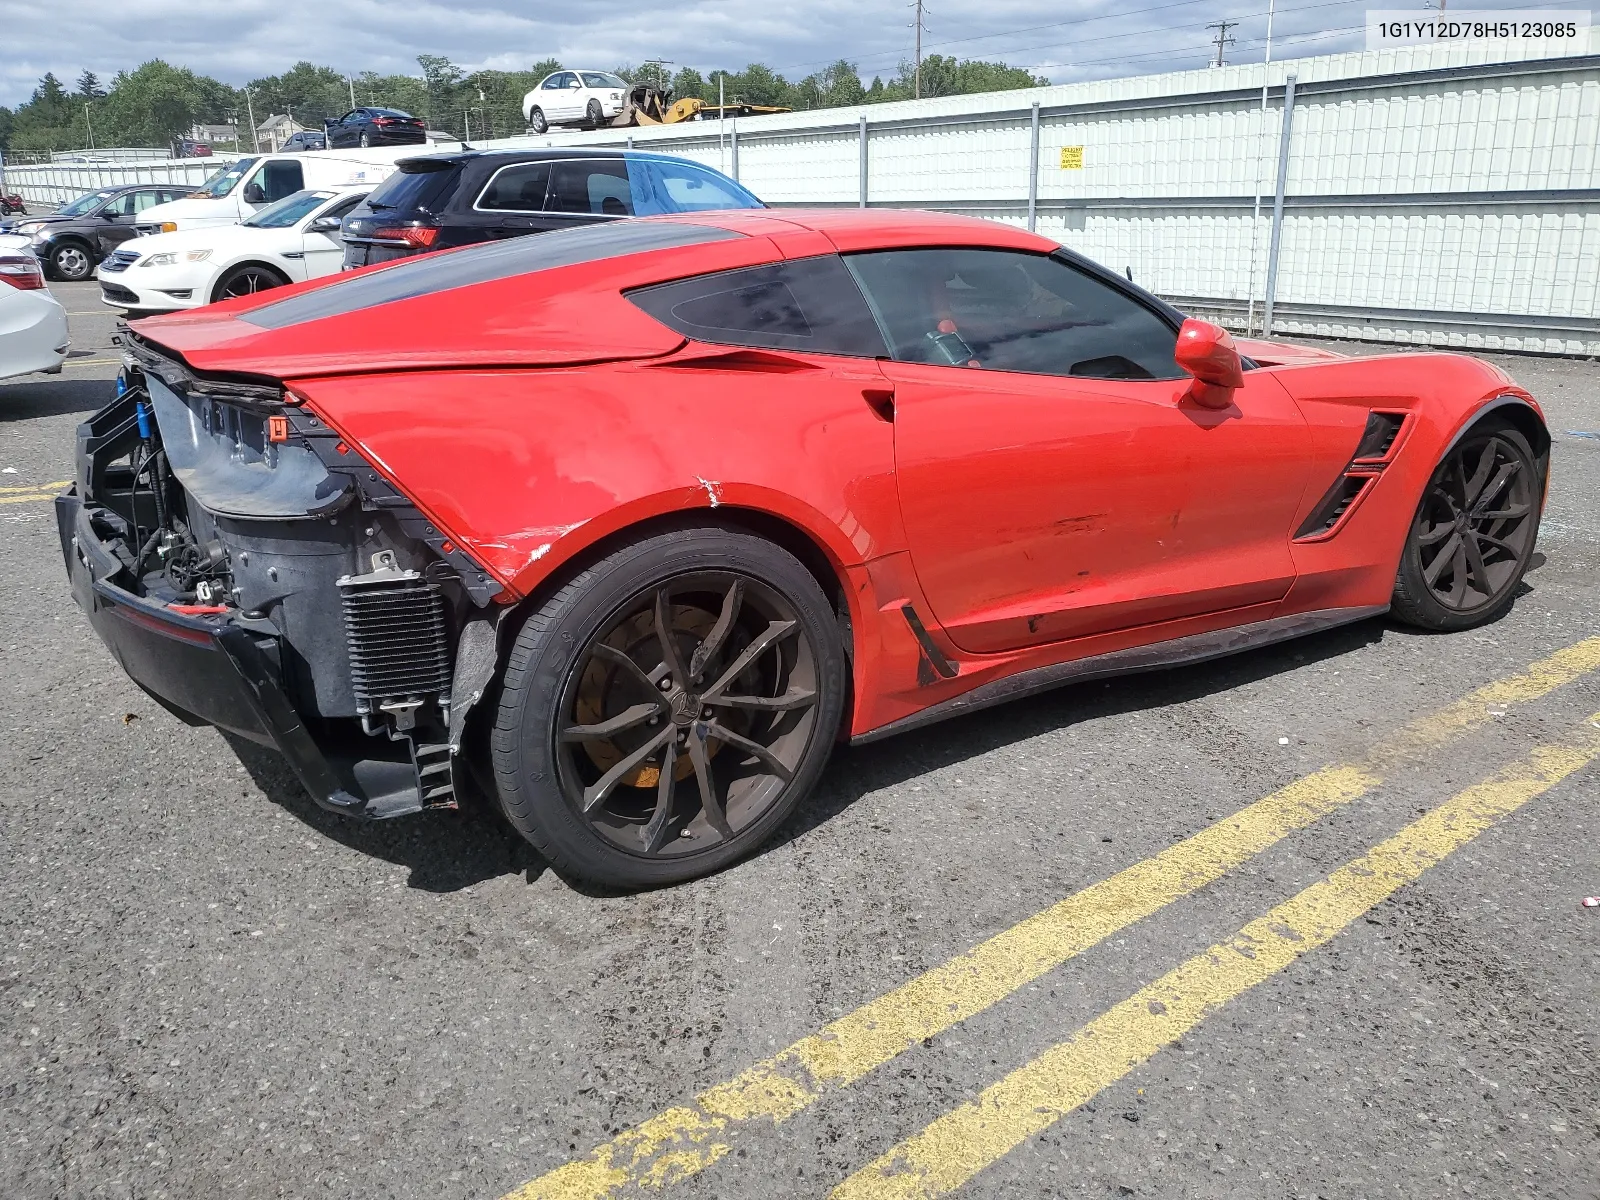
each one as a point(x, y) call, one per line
point(47, 185)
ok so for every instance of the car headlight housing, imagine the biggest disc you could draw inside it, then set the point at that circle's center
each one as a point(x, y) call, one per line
point(168, 258)
point(31, 228)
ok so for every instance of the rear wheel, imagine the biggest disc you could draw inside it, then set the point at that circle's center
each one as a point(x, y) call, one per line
point(71, 262)
point(666, 710)
point(1473, 536)
point(536, 121)
point(365, 140)
point(246, 280)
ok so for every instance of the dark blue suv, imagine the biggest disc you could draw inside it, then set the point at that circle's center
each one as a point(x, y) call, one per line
point(443, 200)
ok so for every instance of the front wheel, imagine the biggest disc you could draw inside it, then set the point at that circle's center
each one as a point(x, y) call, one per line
point(594, 117)
point(71, 262)
point(1473, 535)
point(667, 709)
point(246, 280)
point(536, 121)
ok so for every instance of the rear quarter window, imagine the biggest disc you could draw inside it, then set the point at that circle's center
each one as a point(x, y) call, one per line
point(808, 304)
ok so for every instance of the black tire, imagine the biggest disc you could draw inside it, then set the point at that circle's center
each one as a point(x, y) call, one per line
point(365, 140)
point(536, 121)
point(594, 116)
point(608, 812)
point(1473, 534)
point(245, 280)
point(72, 261)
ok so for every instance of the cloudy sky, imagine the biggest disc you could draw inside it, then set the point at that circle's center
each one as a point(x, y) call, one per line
point(237, 40)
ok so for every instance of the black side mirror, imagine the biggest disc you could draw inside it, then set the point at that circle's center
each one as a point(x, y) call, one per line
point(253, 194)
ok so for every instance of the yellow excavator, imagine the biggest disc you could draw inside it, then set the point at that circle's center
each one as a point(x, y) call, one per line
point(648, 105)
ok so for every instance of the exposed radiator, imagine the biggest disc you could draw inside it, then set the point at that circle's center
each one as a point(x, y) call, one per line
point(399, 643)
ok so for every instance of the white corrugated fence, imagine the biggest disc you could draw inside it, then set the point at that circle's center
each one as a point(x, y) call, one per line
point(1432, 195)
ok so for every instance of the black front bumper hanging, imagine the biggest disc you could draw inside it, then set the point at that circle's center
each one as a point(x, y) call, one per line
point(208, 670)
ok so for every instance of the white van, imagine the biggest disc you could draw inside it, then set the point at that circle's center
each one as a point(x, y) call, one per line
point(239, 188)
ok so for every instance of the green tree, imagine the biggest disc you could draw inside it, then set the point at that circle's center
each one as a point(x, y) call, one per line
point(7, 122)
point(544, 68)
point(443, 79)
point(689, 83)
point(89, 87)
point(836, 86)
point(158, 103)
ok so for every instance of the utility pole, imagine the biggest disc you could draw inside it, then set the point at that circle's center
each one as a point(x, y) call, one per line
point(916, 86)
point(90, 124)
point(352, 84)
point(250, 105)
point(1222, 38)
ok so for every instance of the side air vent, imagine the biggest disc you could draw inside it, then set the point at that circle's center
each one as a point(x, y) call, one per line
point(394, 623)
point(1378, 437)
point(1345, 491)
point(1365, 465)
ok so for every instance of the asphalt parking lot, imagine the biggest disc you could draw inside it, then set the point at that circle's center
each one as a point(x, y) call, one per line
point(1302, 923)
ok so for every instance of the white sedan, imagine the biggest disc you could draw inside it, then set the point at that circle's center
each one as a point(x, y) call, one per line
point(290, 241)
point(591, 98)
point(33, 325)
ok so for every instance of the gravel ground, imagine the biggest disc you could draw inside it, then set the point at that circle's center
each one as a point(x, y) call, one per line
point(208, 986)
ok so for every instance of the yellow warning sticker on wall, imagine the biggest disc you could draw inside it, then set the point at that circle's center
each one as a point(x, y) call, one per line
point(1072, 158)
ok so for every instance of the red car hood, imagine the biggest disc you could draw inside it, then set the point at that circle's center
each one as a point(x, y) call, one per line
point(1281, 354)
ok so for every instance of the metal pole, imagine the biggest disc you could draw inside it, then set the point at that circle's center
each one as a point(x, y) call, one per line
point(1277, 209)
point(916, 89)
point(352, 84)
point(1033, 167)
point(722, 124)
point(1261, 155)
point(90, 124)
point(733, 148)
point(863, 137)
point(250, 104)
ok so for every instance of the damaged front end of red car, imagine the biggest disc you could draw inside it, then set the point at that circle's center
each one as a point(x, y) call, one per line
point(251, 570)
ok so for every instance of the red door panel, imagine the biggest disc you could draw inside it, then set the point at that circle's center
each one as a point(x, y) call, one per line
point(1039, 508)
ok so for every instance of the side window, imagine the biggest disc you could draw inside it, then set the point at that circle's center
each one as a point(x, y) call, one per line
point(556, 81)
point(122, 206)
point(662, 187)
point(340, 209)
point(600, 188)
point(518, 188)
point(281, 178)
point(808, 304)
point(1012, 311)
point(144, 200)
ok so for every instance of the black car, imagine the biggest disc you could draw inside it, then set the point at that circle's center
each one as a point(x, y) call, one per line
point(444, 200)
point(306, 139)
point(375, 127)
point(71, 240)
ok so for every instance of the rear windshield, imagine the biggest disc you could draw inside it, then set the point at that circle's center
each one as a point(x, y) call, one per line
point(388, 112)
point(479, 264)
point(413, 188)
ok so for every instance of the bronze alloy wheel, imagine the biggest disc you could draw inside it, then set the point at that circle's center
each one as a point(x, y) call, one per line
point(1473, 536)
point(687, 714)
point(1474, 528)
point(666, 707)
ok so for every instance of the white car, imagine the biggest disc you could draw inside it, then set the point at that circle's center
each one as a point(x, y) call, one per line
point(33, 325)
point(288, 242)
point(572, 97)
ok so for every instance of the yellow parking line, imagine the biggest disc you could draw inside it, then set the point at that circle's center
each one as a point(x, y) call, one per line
point(686, 1139)
point(36, 487)
point(954, 1148)
point(93, 362)
point(33, 499)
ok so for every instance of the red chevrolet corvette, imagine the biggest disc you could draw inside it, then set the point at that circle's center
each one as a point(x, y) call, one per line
point(624, 527)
